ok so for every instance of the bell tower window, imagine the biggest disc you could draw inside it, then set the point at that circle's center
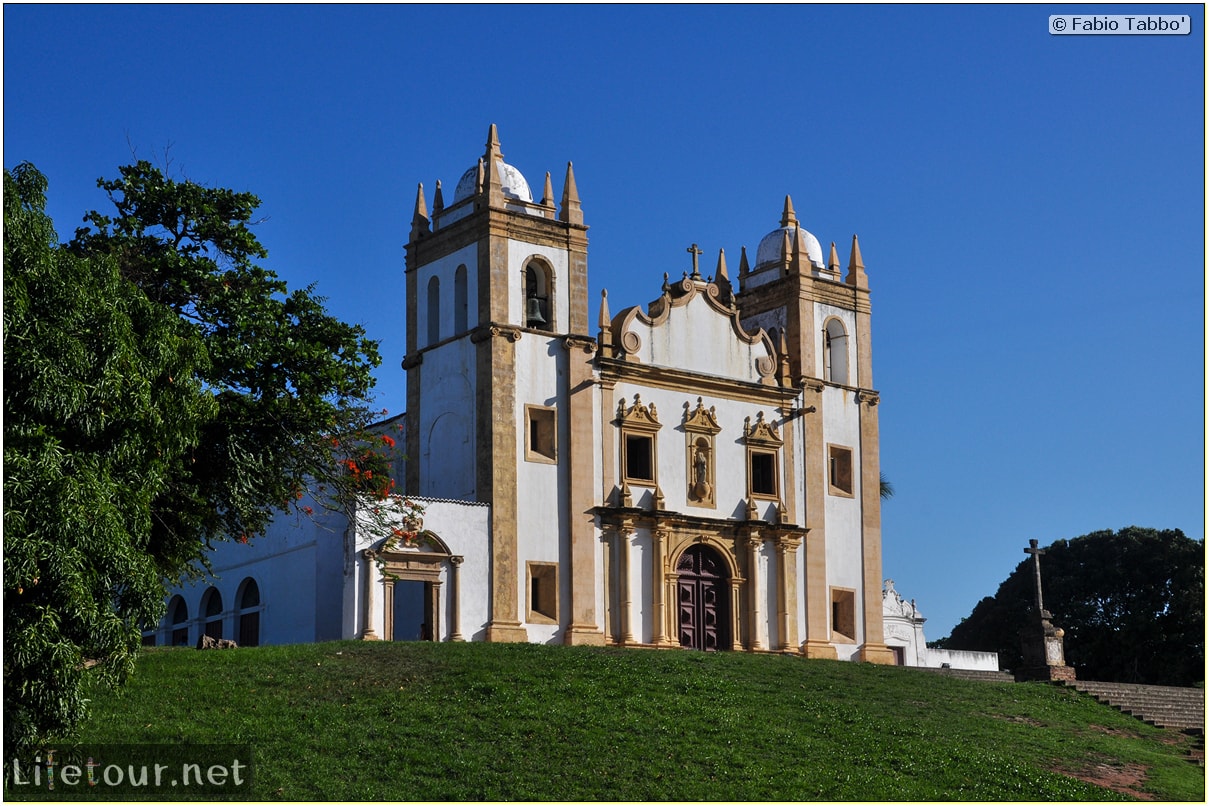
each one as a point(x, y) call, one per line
point(461, 303)
point(538, 310)
point(835, 352)
point(434, 310)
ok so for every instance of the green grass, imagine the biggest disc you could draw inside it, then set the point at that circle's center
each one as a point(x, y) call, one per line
point(422, 721)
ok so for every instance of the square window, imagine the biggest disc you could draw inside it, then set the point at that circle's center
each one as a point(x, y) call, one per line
point(543, 593)
point(843, 614)
point(839, 470)
point(762, 469)
point(639, 458)
point(541, 434)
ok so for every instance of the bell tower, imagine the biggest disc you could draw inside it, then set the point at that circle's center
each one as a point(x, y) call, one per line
point(824, 322)
point(496, 291)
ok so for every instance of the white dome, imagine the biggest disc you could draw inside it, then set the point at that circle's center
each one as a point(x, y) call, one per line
point(769, 250)
point(511, 180)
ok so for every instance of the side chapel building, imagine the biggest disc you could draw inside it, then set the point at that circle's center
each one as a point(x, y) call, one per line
point(702, 473)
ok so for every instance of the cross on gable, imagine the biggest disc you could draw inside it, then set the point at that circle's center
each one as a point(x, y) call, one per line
point(695, 252)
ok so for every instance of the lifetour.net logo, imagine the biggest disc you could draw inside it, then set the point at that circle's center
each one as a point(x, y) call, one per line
point(98, 772)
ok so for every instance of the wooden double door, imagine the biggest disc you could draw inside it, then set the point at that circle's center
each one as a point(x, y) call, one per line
point(703, 599)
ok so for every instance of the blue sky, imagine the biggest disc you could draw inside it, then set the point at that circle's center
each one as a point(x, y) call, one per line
point(1030, 207)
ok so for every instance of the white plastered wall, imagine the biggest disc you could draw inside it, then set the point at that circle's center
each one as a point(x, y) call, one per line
point(697, 338)
point(542, 488)
point(465, 528)
point(443, 268)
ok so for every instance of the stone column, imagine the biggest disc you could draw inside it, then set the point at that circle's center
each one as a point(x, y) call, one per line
point(658, 617)
point(610, 607)
point(623, 579)
point(455, 594)
point(787, 592)
point(735, 645)
point(753, 584)
point(368, 633)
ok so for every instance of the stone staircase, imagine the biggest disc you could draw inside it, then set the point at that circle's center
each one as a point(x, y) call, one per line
point(972, 674)
point(1172, 707)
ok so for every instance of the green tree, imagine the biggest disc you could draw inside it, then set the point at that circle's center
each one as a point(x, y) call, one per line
point(162, 392)
point(284, 374)
point(101, 401)
point(1131, 603)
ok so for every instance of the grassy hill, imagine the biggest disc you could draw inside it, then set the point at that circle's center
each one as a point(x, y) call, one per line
point(422, 721)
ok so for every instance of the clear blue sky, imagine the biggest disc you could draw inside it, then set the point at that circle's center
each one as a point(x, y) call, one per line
point(1030, 207)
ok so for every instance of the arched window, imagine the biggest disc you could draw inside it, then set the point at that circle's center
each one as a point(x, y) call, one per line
point(461, 302)
point(212, 609)
point(434, 310)
point(835, 352)
point(249, 613)
point(178, 617)
point(539, 313)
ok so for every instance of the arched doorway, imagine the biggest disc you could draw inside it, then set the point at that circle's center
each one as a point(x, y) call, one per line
point(703, 599)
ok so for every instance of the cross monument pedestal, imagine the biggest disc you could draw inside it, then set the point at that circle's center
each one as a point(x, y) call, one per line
point(1041, 642)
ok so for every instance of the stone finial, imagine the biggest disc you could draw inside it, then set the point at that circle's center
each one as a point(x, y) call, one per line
point(492, 181)
point(786, 250)
point(833, 262)
point(548, 196)
point(479, 177)
point(788, 217)
point(571, 212)
point(438, 199)
point(605, 337)
point(796, 266)
point(783, 349)
point(744, 268)
point(419, 219)
point(493, 144)
point(722, 279)
point(856, 267)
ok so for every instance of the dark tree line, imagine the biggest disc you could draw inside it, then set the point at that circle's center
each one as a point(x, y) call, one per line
point(1132, 603)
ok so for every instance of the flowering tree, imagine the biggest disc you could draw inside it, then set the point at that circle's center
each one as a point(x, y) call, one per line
point(162, 392)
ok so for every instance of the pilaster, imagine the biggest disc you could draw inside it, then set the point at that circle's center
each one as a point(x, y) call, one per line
point(584, 628)
point(874, 650)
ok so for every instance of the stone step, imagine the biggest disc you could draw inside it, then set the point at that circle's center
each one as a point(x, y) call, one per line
point(1163, 706)
point(973, 674)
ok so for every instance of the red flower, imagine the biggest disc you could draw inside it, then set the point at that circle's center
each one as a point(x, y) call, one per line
point(387, 441)
point(308, 510)
point(243, 538)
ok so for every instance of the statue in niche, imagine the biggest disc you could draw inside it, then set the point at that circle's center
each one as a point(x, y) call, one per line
point(701, 486)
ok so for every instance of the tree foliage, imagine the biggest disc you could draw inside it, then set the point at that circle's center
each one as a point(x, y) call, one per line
point(1131, 603)
point(162, 392)
point(101, 400)
point(282, 371)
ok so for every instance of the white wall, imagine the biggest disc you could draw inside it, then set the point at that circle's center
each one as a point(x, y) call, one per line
point(464, 528)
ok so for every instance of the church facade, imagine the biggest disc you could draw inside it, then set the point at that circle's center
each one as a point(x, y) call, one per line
point(699, 472)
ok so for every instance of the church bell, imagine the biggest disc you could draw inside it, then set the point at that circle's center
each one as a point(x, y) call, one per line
point(533, 312)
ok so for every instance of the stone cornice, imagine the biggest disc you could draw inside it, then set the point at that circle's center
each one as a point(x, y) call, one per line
point(490, 330)
point(573, 341)
point(618, 371)
point(634, 517)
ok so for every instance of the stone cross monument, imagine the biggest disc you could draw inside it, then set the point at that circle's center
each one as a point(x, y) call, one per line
point(1041, 642)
